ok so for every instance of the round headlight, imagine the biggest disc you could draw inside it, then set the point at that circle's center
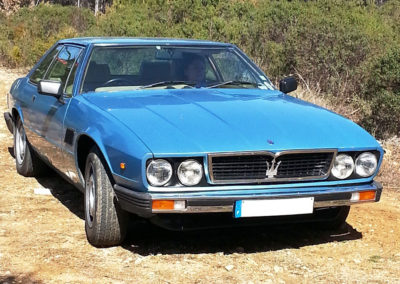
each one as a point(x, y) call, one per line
point(343, 166)
point(159, 172)
point(190, 172)
point(366, 164)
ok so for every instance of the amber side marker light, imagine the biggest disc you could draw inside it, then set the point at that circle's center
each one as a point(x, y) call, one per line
point(122, 166)
point(363, 196)
point(168, 205)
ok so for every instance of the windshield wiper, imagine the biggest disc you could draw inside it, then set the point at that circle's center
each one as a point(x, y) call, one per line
point(166, 83)
point(232, 82)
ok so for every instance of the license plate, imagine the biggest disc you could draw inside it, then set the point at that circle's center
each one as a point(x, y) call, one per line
point(274, 207)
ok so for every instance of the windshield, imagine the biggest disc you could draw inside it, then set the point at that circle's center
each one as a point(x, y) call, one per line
point(113, 68)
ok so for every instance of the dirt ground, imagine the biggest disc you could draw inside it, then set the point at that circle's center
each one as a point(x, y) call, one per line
point(42, 239)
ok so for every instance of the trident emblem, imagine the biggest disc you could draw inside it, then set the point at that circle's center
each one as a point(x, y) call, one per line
point(272, 170)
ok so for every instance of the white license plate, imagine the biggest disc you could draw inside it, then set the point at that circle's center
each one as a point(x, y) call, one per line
point(274, 207)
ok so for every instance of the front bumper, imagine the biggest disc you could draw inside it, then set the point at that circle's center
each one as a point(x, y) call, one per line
point(140, 203)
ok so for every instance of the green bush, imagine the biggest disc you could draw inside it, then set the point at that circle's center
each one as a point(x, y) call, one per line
point(383, 93)
point(31, 31)
point(340, 47)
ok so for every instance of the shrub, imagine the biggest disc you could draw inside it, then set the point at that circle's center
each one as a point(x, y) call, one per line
point(343, 48)
point(383, 93)
point(31, 38)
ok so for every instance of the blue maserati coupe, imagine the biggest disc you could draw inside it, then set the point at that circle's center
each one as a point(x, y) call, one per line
point(185, 133)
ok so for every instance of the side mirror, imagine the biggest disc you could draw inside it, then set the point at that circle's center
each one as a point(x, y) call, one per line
point(50, 88)
point(287, 85)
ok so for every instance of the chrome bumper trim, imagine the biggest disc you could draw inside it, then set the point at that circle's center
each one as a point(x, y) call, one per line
point(229, 208)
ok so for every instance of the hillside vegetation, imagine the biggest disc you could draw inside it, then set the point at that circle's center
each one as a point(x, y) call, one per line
point(346, 51)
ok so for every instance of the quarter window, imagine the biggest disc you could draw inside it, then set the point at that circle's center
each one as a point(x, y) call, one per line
point(63, 63)
point(40, 71)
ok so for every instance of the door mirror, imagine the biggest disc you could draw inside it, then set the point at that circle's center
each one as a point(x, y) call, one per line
point(287, 85)
point(48, 87)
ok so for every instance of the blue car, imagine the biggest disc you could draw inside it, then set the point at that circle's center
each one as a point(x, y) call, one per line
point(187, 134)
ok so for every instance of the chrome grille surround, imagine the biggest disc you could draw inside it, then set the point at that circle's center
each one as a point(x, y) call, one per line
point(264, 156)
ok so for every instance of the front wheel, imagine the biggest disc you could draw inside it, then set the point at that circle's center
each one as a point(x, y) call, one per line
point(105, 221)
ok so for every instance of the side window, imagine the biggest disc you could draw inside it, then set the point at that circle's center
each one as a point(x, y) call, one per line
point(63, 63)
point(40, 71)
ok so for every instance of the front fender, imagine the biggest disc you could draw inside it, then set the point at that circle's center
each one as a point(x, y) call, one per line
point(116, 142)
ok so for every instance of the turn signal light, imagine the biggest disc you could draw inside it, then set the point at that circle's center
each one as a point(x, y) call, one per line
point(168, 205)
point(363, 196)
point(163, 204)
point(367, 195)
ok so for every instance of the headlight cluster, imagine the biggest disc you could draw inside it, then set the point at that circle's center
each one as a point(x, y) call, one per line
point(364, 166)
point(159, 172)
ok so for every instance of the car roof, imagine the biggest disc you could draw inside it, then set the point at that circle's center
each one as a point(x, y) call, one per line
point(140, 41)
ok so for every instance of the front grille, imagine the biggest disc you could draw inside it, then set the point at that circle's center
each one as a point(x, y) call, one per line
point(266, 167)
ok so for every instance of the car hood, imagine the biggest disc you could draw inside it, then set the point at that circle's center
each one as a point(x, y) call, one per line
point(184, 121)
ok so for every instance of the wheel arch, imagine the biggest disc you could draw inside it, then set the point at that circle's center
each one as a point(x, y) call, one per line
point(84, 143)
point(17, 114)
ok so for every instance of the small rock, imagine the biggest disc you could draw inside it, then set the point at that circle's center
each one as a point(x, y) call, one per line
point(229, 267)
point(278, 269)
point(251, 261)
point(139, 260)
point(129, 259)
point(41, 191)
point(357, 261)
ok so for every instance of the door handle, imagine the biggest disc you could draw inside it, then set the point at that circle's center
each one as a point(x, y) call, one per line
point(33, 98)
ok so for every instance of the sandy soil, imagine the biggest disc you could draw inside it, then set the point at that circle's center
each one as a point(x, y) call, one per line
point(42, 239)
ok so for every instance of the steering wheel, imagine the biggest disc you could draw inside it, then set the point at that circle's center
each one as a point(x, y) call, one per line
point(117, 82)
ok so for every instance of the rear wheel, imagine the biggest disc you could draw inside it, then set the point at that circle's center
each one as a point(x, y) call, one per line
point(26, 161)
point(105, 221)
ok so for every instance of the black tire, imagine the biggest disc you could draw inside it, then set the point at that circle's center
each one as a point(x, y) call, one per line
point(333, 218)
point(26, 161)
point(105, 221)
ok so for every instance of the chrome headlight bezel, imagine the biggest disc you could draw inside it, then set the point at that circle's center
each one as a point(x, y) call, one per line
point(355, 155)
point(360, 165)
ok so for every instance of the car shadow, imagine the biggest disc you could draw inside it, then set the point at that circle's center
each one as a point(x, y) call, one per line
point(153, 240)
point(65, 192)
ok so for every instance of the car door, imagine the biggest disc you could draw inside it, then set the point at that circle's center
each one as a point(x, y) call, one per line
point(49, 111)
point(29, 94)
